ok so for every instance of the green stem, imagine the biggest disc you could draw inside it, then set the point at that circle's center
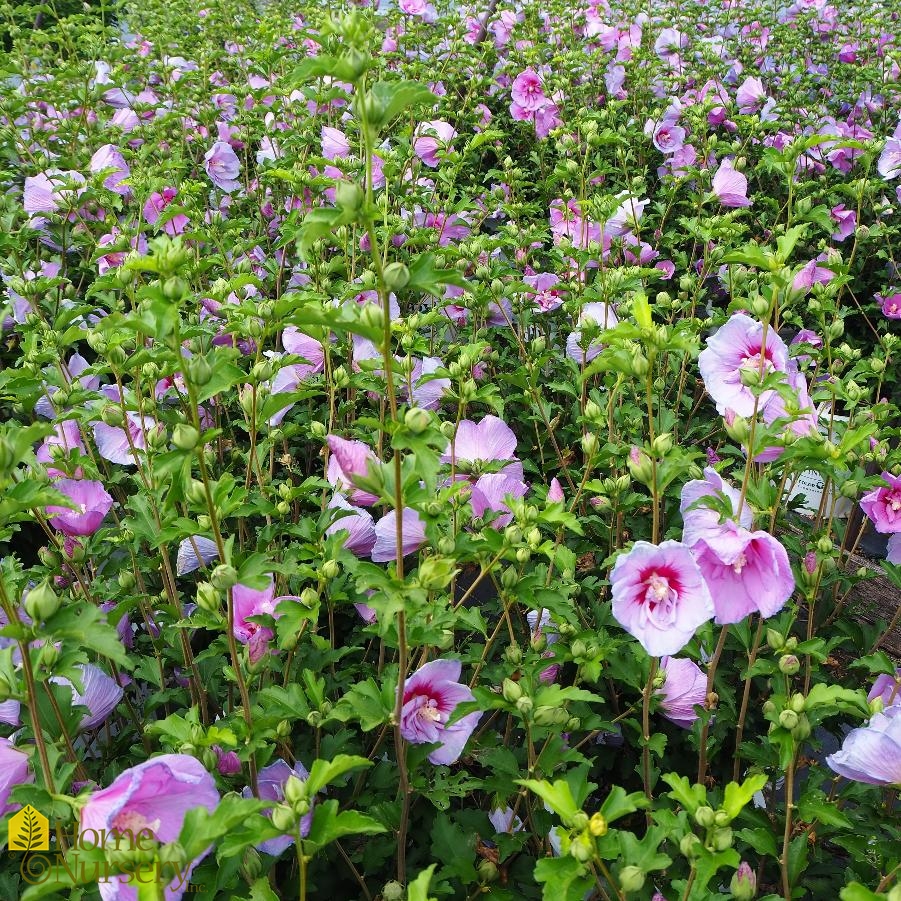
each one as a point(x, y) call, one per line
point(709, 702)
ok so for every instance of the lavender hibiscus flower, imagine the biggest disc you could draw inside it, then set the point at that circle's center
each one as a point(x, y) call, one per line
point(736, 348)
point(659, 595)
point(431, 695)
point(92, 502)
point(883, 505)
point(872, 753)
point(684, 688)
point(13, 771)
point(154, 795)
point(271, 783)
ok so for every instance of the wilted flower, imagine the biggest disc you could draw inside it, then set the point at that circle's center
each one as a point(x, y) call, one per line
point(155, 795)
point(13, 771)
point(431, 695)
point(92, 503)
point(872, 753)
point(883, 505)
point(684, 688)
point(659, 595)
point(736, 349)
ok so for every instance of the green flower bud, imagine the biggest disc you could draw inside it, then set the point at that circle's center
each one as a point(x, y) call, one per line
point(396, 276)
point(721, 839)
point(690, 846)
point(776, 640)
point(208, 598)
point(251, 865)
point(295, 791)
point(511, 690)
point(348, 196)
point(788, 719)
point(185, 437)
point(224, 577)
point(631, 879)
point(662, 444)
point(283, 729)
point(582, 848)
point(488, 871)
point(721, 818)
point(330, 569)
point(523, 555)
point(126, 579)
point(309, 597)
point(704, 816)
point(41, 602)
point(798, 702)
point(513, 654)
point(789, 664)
point(803, 729)
point(393, 891)
point(524, 705)
point(417, 420)
point(318, 429)
point(283, 818)
point(199, 370)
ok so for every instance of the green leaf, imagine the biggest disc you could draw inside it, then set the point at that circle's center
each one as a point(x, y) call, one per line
point(854, 891)
point(691, 797)
point(814, 805)
point(797, 857)
point(324, 772)
point(619, 804)
point(368, 703)
point(558, 797)
point(564, 878)
point(329, 825)
point(418, 890)
point(737, 797)
point(763, 841)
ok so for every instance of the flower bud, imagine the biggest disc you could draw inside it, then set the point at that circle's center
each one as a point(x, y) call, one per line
point(199, 370)
point(330, 570)
point(597, 825)
point(690, 846)
point(348, 196)
point(582, 848)
point(803, 729)
point(393, 891)
point(396, 276)
point(775, 639)
point(705, 816)
point(126, 579)
point(488, 871)
point(798, 702)
point(524, 705)
point(789, 664)
point(721, 839)
point(185, 437)
point(224, 577)
point(513, 654)
point(509, 577)
point(662, 444)
point(295, 790)
point(41, 602)
point(631, 879)
point(640, 466)
point(283, 818)
point(512, 691)
point(417, 420)
point(744, 883)
point(788, 719)
point(309, 597)
point(208, 598)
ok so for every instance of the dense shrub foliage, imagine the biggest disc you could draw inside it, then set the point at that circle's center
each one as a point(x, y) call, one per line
point(434, 441)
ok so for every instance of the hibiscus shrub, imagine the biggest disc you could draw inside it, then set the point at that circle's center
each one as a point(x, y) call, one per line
point(434, 444)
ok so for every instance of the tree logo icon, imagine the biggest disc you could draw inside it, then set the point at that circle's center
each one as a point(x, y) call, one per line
point(29, 831)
